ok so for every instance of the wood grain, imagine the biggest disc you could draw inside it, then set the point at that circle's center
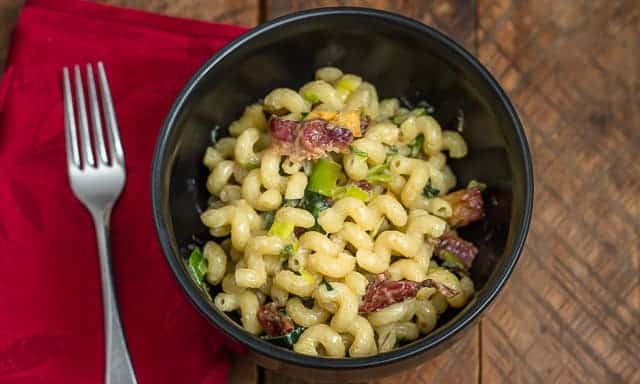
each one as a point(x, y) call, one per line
point(571, 310)
point(242, 12)
point(9, 11)
point(454, 17)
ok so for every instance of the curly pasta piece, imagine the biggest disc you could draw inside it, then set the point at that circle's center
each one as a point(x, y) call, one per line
point(320, 335)
point(216, 262)
point(332, 219)
point(338, 299)
point(262, 201)
point(320, 90)
point(286, 99)
point(253, 117)
point(222, 150)
point(304, 316)
point(426, 125)
point(364, 342)
point(255, 273)
point(303, 284)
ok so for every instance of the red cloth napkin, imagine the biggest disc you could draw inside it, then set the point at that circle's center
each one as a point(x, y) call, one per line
point(51, 325)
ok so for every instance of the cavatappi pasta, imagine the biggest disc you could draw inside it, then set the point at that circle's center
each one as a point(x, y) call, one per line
point(335, 219)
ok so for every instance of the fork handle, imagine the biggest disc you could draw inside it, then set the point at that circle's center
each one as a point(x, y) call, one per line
point(118, 368)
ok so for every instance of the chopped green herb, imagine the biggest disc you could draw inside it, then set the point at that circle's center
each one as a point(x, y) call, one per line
point(361, 154)
point(427, 106)
point(285, 341)
point(252, 164)
point(451, 260)
point(418, 112)
point(311, 97)
point(398, 119)
point(303, 115)
point(197, 265)
point(429, 191)
point(324, 176)
point(350, 191)
point(379, 174)
point(268, 218)
point(327, 285)
point(314, 203)
point(281, 229)
point(286, 252)
point(416, 145)
point(392, 150)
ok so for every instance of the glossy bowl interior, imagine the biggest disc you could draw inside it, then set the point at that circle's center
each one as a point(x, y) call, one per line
point(400, 57)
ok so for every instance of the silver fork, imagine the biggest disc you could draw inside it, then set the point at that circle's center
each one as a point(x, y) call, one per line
point(97, 181)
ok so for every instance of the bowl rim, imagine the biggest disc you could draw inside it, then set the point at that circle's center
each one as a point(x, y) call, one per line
point(421, 345)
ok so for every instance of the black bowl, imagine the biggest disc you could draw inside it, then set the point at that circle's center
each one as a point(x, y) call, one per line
point(400, 57)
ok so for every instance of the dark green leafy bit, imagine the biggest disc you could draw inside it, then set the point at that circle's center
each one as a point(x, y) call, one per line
point(399, 118)
point(361, 154)
point(379, 174)
point(428, 107)
point(308, 302)
point(327, 285)
point(286, 252)
point(416, 145)
point(314, 203)
point(197, 265)
point(285, 341)
point(429, 191)
point(392, 150)
point(303, 114)
point(268, 218)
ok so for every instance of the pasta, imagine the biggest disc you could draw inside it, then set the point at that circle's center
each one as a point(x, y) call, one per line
point(335, 229)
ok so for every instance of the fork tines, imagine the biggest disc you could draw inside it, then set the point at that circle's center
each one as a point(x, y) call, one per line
point(82, 154)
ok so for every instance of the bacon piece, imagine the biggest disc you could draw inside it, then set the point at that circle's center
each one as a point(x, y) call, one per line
point(310, 139)
point(273, 321)
point(364, 185)
point(466, 205)
point(464, 250)
point(382, 293)
point(283, 130)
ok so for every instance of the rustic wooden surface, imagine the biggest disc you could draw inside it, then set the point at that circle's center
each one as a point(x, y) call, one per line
point(571, 310)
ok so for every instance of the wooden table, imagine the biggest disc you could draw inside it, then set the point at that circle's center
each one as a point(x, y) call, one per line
point(571, 311)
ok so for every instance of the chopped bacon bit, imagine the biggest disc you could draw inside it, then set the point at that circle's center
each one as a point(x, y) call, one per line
point(299, 231)
point(364, 185)
point(283, 130)
point(464, 250)
point(466, 205)
point(382, 292)
point(273, 321)
point(310, 139)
